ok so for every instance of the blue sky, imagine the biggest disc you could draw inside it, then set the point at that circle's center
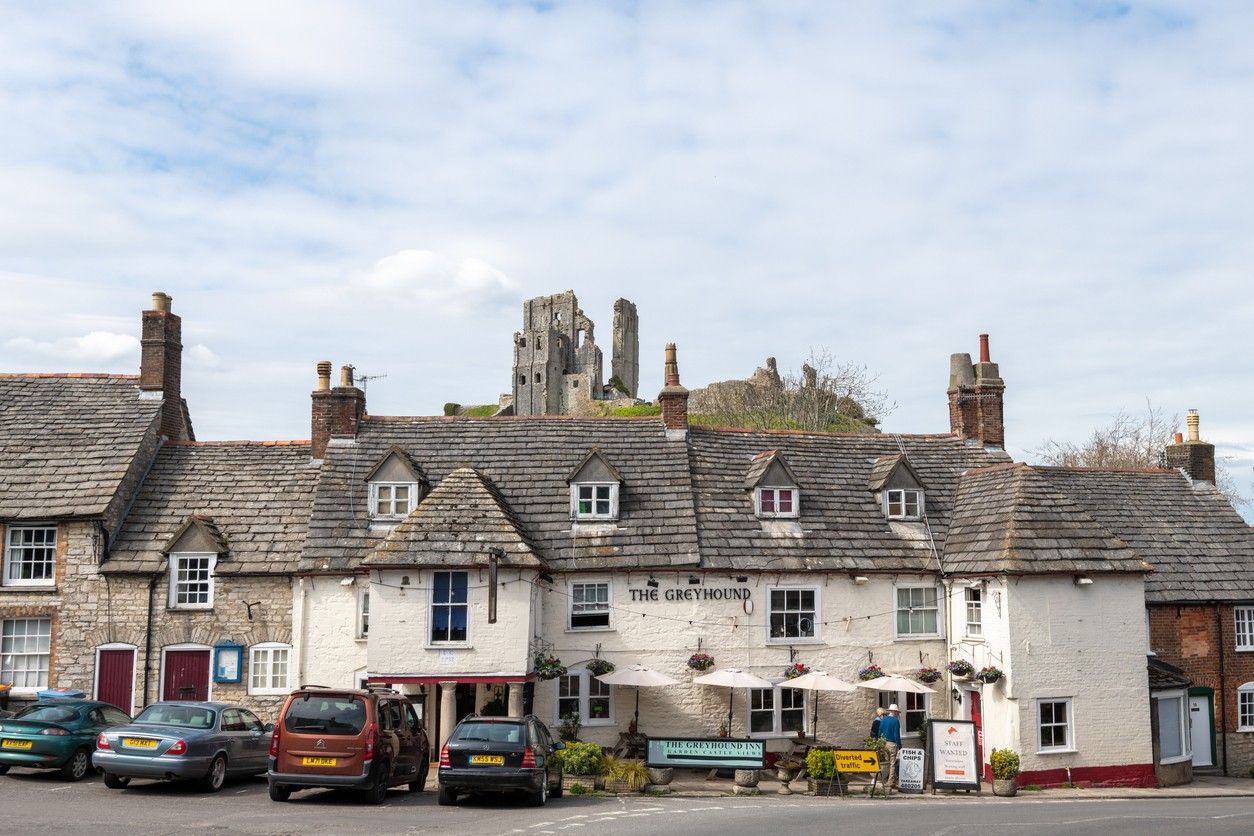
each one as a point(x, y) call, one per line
point(382, 183)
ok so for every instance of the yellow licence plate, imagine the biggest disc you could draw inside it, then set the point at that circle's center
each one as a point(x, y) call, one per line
point(17, 744)
point(488, 760)
point(317, 761)
point(138, 743)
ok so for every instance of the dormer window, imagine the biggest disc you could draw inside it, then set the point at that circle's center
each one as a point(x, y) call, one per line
point(392, 499)
point(897, 487)
point(777, 502)
point(775, 488)
point(594, 485)
point(396, 484)
point(903, 504)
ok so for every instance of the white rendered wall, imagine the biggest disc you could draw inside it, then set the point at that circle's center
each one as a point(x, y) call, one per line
point(324, 630)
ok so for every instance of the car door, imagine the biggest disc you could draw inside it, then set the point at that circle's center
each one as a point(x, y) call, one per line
point(255, 743)
point(232, 734)
point(389, 733)
point(551, 766)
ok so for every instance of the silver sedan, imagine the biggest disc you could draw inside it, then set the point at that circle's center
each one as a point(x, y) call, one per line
point(191, 741)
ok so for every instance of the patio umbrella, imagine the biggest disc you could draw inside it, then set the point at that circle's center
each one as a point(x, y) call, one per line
point(637, 676)
point(733, 679)
point(818, 681)
point(896, 682)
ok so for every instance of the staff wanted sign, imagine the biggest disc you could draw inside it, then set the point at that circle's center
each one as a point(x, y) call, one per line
point(951, 745)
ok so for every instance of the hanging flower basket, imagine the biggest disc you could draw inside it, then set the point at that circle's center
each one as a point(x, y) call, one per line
point(989, 675)
point(870, 672)
point(795, 670)
point(600, 667)
point(700, 661)
point(927, 675)
point(961, 668)
point(549, 667)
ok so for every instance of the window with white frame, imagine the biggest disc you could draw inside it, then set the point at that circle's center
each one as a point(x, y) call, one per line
point(25, 648)
point(776, 711)
point(450, 608)
point(1244, 617)
point(191, 581)
point(793, 613)
point(363, 612)
point(913, 709)
point(589, 605)
point(777, 502)
point(30, 556)
point(392, 500)
point(594, 500)
point(269, 669)
point(917, 611)
point(974, 599)
point(1055, 729)
point(1245, 707)
point(1173, 726)
point(903, 504)
point(581, 694)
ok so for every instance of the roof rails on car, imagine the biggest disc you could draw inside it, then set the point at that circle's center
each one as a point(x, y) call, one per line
point(323, 687)
point(378, 688)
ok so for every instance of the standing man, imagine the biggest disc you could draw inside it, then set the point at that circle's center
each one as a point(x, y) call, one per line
point(890, 730)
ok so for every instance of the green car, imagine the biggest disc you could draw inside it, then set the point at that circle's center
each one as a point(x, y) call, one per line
point(56, 734)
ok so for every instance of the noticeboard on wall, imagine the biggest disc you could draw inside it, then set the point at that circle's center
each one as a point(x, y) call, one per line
point(228, 663)
point(953, 754)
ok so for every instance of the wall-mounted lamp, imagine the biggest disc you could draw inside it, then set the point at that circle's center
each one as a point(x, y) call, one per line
point(742, 579)
point(694, 580)
point(861, 580)
point(404, 580)
point(651, 582)
point(956, 694)
point(1083, 580)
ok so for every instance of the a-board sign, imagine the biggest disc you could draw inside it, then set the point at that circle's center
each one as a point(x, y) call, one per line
point(705, 753)
point(857, 760)
point(910, 770)
point(955, 764)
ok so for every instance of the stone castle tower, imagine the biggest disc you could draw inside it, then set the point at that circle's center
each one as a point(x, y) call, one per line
point(557, 365)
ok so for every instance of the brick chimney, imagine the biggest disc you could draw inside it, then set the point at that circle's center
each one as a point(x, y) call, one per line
point(975, 398)
point(336, 412)
point(161, 366)
point(674, 397)
point(1192, 455)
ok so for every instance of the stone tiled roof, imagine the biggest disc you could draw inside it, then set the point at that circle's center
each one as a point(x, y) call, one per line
point(67, 442)
point(456, 525)
point(1020, 519)
point(882, 471)
point(762, 463)
point(258, 495)
point(841, 525)
point(1163, 675)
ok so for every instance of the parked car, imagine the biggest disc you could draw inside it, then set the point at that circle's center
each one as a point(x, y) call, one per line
point(350, 739)
point(500, 754)
point(56, 734)
point(206, 742)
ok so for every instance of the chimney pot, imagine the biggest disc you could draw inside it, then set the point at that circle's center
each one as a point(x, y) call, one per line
point(984, 356)
point(1179, 438)
point(161, 301)
point(346, 375)
point(324, 375)
point(1194, 422)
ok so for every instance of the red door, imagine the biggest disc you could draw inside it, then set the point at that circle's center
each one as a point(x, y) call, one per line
point(978, 719)
point(186, 675)
point(115, 677)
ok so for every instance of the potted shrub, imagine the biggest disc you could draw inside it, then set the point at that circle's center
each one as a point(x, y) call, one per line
point(1005, 763)
point(581, 765)
point(624, 776)
point(961, 668)
point(927, 675)
point(724, 729)
point(700, 661)
point(870, 672)
point(600, 667)
point(821, 769)
point(568, 731)
point(989, 675)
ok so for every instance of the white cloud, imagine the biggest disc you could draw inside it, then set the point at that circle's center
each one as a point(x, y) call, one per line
point(96, 348)
point(449, 284)
point(203, 356)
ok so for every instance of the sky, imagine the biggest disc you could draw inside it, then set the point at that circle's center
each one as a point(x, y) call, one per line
point(382, 184)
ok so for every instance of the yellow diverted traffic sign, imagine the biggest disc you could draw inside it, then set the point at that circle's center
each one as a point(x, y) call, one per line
point(857, 760)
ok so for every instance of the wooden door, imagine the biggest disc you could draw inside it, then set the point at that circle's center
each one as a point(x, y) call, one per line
point(977, 718)
point(186, 675)
point(115, 677)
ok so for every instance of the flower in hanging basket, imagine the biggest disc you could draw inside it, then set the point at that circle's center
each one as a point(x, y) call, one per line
point(870, 672)
point(549, 667)
point(927, 675)
point(989, 675)
point(600, 667)
point(700, 661)
point(961, 667)
point(795, 670)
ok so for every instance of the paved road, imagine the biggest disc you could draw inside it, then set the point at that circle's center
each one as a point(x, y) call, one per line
point(37, 803)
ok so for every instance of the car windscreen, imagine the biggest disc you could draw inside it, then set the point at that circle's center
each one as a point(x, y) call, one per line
point(184, 716)
point(492, 732)
point(49, 714)
point(330, 714)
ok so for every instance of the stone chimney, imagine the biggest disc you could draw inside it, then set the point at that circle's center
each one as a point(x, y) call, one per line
point(161, 366)
point(975, 398)
point(674, 397)
point(1192, 455)
point(336, 412)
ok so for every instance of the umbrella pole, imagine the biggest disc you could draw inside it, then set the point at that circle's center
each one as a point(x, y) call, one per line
point(637, 709)
point(731, 697)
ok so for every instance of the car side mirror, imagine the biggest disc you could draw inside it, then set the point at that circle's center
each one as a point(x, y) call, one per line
point(558, 745)
point(268, 728)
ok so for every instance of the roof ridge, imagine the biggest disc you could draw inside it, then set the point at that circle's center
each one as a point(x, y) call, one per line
point(67, 375)
point(239, 443)
point(820, 433)
point(503, 418)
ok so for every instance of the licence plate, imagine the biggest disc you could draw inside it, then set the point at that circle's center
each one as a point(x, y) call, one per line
point(17, 744)
point(138, 743)
point(317, 761)
point(488, 760)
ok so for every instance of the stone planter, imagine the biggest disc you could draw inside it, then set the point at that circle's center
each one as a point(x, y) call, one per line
point(823, 786)
point(748, 777)
point(661, 777)
point(588, 782)
point(785, 777)
point(1005, 787)
point(619, 786)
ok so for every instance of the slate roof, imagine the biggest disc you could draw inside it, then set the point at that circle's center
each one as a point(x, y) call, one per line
point(1163, 675)
point(67, 442)
point(1019, 519)
point(762, 463)
point(455, 525)
point(258, 495)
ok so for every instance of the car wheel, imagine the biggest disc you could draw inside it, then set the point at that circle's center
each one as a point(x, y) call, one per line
point(77, 767)
point(378, 791)
point(278, 792)
point(557, 788)
point(115, 782)
point(446, 797)
point(421, 783)
point(216, 776)
point(541, 796)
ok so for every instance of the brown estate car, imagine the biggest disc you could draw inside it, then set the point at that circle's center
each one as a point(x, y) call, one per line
point(348, 739)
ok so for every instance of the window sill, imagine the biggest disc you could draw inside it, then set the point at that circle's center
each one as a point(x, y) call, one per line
point(912, 637)
point(28, 587)
point(27, 691)
point(208, 608)
point(589, 629)
point(449, 646)
point(784, 642)
point(280, 692)
point(1057, 751)
point(602, 722)
point(361, 639)
point(1245, 729)
point(975, 639)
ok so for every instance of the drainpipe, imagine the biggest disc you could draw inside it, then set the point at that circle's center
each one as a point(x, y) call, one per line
point(304, 632)
point(152, 584)
point(1223, 687)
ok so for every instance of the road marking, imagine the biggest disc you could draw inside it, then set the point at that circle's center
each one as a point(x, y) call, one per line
point(568, 818)
point(541, 824)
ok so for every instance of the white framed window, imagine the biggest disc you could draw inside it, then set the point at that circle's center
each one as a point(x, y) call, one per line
point(590, 606)
point(450, 608)
point(25, 648)
point(777, 502)
point(269, 668)
point(917, 611)
point(363, 612)
point(191, 581)
point(594, 500)
point(775, 712)
point(30, 556)
point(582, 694)
point(1244, 618)
point(392, 500)
point(1055, 725)
point(793, 614)
point(913, 709)
point(903, 504)
point(1173, 727)
point(1245, 707)
point(973, 597)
